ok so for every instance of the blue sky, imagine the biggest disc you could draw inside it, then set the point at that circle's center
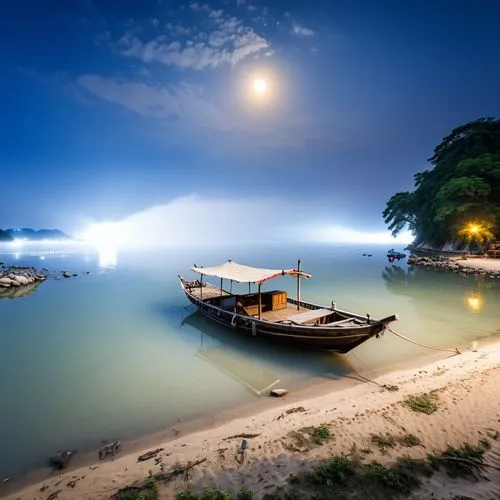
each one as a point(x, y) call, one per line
point(111, 108)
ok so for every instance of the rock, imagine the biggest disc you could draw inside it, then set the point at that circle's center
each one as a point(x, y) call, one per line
point(22, 280)
point(110, 449)
point(279, 393)
point(66, 274)
point(61, 459)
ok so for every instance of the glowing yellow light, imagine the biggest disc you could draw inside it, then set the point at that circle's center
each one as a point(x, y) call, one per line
point(474, 303)
point(473, 228)
point(260, 85)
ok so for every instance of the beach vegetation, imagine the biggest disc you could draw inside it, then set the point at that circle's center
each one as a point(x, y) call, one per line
point(426, 402)
point(147, 491)
point(214, 494)
point(383, 441)
point(461, 189)
point(320, 434)
point(307, 438)
point(466, 461)
point(350, 477)
point(409, 440)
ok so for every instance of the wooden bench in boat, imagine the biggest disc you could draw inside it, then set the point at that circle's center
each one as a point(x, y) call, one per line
point(308, 316)
point(346, 322)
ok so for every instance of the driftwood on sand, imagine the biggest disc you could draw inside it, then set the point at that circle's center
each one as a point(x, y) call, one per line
point(243, 436)
point(149, 454)
point(162, 476)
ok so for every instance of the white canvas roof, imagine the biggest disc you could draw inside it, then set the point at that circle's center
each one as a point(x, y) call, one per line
point(245, 274)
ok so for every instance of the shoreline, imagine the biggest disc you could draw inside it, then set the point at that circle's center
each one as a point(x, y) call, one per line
point(204, 436)
point(314, 387)
point(479, 266)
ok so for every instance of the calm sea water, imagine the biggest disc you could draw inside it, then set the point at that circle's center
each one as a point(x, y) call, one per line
point(118, 352)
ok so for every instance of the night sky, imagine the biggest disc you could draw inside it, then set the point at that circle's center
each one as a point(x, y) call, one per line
point(111, 108)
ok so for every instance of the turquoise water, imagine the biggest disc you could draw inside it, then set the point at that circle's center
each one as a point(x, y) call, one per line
point(118, 352)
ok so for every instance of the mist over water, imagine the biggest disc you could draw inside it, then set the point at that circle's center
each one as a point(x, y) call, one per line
point(119, 352)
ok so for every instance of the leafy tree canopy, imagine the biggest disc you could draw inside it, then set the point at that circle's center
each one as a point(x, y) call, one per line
point(462, 188)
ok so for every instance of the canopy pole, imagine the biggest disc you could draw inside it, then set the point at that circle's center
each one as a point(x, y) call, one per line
point(201, 286)
point(249, 287)
point(260, 301)
point(231, 287)
point(298, 285)
point(221, 287)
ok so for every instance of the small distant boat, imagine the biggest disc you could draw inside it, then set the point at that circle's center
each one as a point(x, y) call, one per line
point(392, 255)
point(276, 316)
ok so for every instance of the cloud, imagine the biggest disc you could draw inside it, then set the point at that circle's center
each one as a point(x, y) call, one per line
point(182, 104)
point(189, 220)
point(229, 43)
point(215, 14)
point(196, 7)
point(301, 30)
point(186, 109)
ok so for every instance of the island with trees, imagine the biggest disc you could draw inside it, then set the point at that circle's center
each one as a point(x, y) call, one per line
point(457, 201)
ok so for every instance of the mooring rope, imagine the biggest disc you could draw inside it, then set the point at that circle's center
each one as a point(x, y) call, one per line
point(454, 351)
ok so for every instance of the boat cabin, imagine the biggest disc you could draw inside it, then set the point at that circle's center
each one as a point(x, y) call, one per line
point(274, 305)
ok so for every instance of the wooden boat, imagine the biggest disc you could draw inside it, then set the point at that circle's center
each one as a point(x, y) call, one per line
point(276, 316)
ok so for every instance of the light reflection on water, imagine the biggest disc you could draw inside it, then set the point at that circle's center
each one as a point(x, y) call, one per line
point(118, 352)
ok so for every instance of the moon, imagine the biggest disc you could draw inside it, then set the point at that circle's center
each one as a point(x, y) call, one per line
point(260, 86)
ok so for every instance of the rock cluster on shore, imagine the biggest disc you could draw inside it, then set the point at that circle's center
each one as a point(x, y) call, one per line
point(18, 276)
point(19, 281)
point(447, 264)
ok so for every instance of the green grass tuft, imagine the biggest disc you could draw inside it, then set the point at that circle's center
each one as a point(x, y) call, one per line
point(214, 494)
point(320, 434)
point(423, 403)
point(383, 442)
point(409, 440)
point(149, 492)
point(307, 438)
point(335, 471)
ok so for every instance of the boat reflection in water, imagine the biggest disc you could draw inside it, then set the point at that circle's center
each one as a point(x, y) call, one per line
point(260, 366)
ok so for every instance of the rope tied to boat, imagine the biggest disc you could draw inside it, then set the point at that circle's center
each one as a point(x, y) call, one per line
point(454, 351)
point(233, 321)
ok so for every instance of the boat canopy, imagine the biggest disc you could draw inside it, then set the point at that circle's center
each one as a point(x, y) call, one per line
point(245, 274)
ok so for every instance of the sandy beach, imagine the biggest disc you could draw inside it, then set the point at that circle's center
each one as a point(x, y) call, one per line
point(482, 263)
point(468, 410)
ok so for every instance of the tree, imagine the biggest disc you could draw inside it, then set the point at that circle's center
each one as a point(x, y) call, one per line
point(399, 212)
point(463, 185)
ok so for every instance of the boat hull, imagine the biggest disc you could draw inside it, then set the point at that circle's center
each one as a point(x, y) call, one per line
point(338, 339)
